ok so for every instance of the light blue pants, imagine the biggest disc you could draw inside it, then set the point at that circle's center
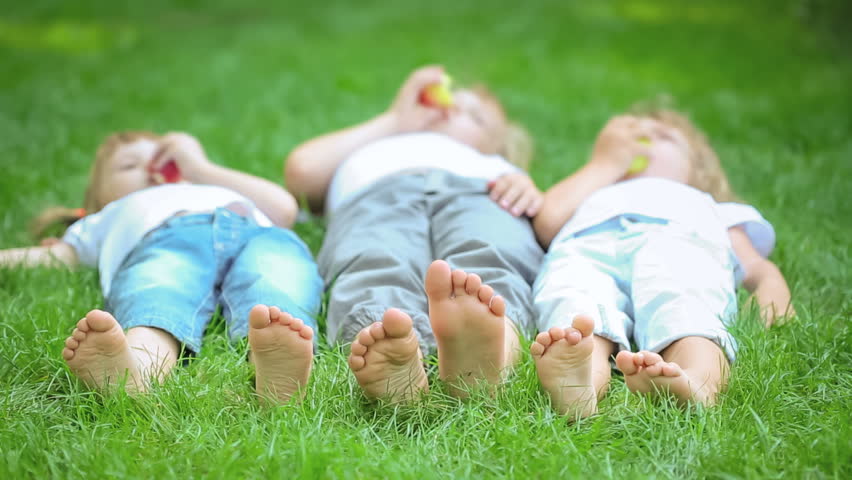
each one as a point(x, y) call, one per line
point(177, 275)
point(641, 279)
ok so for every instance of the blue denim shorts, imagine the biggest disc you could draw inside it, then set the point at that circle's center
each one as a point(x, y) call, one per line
point(177, 275)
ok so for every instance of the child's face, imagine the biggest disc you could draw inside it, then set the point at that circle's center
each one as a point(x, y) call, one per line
point(126, 171)
point(475, 121)
point(670, 153)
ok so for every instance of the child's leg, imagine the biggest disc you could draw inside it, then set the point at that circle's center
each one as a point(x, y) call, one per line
point(573, 367)
point(272, 280)
point(162, 295)
point(281, 349)
point(476, 341)
point(692, 369)
point(703, 362)
point(374, 255)
point(387, 360)
point(578, 283)
point(683, 295)
point(103, 356)
point(491, 249)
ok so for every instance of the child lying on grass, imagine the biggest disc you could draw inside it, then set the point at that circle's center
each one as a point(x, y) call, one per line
point(411, 185)
point(652, 257)
point(168, 253)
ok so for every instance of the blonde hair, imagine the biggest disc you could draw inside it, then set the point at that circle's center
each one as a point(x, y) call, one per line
point(91, 203)
point(705, 169)
point(516, 144)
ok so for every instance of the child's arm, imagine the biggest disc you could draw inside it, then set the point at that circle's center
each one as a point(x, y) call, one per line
point(310, 167)
point(562, 199)
point(762, 279)
point(617, 145)
point(57, 254)
point(272, 199)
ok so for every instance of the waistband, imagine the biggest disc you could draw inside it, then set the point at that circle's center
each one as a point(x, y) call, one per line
point(618, 222)
point(202, 218)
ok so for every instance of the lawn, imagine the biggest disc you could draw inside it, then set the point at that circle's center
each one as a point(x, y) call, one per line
point(768, 81)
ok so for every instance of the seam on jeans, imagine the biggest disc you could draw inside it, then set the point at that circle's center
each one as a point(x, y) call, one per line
point(198, 309)
point(223, 299)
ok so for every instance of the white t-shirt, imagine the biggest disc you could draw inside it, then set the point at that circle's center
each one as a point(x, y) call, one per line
point(105, 238)
point(675, 202)
point(410, 152)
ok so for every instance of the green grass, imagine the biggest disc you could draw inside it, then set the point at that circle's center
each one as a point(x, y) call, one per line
point(768, 81)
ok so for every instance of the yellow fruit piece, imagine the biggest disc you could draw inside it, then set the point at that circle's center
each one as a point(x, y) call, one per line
point(639, 163)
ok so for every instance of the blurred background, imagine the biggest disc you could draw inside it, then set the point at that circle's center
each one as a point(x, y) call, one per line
point(253, 78)
point(769, 81)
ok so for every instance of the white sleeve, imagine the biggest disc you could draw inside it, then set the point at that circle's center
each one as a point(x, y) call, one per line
point(758, 229)
point(87, 236)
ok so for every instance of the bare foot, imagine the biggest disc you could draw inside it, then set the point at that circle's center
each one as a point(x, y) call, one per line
point(98, 353)
point(470, 328)
point(563, 359)
point(282, 352)
point(386, 359)
point(646, 372)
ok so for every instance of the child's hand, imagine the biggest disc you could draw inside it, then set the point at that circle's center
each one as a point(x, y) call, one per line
point(517, 194)
point(187, 153)
point(408, 113)
point(622, 140)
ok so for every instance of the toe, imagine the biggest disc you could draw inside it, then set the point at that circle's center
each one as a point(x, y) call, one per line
point(537, 349)
point(584, 324)
point(671, 369)
point(285, 318)
point(654, 370)
point(438, 281)
point(365, 338)
point(498, 305)
point(556, 333)
point(397, 324)
point(486, 293)
point(624, 361)
point(67, 353)
point(459, 279)
point(99, 320)
point(71, 343)
point(377, 331)
point(79, 335)
point(573, 336)
point(259, 316)
point(544, 338)
point(472, 284)
point(650, 358)
point(274, 313)
point(83, 325)
point(356, 362)
point(357, 349)
point(296, 324)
